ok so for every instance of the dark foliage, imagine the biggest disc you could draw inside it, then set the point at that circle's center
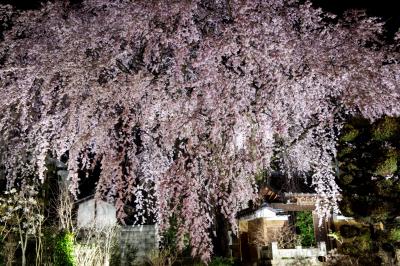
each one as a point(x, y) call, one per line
point(368, 157)
point(368, 174)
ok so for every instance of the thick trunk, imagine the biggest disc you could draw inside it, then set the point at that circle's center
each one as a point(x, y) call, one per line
point(221, 240)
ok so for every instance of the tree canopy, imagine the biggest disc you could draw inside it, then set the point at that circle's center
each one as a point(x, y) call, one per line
point(181, 103)
point(368, 165)
point(368, 158)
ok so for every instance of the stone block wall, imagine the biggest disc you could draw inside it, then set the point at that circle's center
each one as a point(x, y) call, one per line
point(141, 238)
point(264, 230)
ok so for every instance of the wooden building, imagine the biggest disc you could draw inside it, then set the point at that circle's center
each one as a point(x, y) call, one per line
point(259, 226)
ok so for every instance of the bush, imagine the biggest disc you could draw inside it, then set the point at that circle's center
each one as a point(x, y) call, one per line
point(164, 257)
point(386, 129)
point(346, 179)
point(115, 258)
point(305, 226)
point(394, 235)
point(1, 253)
point(349, 133)
point(346, 207)
point(220, 261)
point(64, 249)
point(358, 246)
point(346, 150)
point(94, 245)
point(130, 255)
point(387, 167)
point(349, 231)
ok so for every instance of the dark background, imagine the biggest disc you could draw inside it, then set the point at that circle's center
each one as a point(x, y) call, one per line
point(385, 9)
point(379, 8)
point(31, 4)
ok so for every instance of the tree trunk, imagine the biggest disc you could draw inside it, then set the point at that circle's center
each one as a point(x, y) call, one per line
point(221, 240)
point(23, 249)
point(23, 257)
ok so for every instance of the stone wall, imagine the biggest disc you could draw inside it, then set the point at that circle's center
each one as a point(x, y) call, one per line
point(297, 256)
point(264, 230)
point(140, 239)
point(254, 233)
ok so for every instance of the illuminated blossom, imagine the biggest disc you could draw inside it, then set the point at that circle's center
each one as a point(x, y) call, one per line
point(182, 102)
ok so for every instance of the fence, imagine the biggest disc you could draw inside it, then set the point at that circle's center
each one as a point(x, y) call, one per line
point(279, 256)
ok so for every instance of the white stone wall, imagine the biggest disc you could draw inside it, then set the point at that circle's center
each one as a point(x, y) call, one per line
point(96, 213)
point(298, 251)
point(305, 256)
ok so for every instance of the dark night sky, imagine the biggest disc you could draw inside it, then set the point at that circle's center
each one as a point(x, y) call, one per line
point(377, 7)
point(386, 9)
point(30, 4)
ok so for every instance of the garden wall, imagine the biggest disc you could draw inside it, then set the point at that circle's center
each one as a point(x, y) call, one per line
point(141, 238)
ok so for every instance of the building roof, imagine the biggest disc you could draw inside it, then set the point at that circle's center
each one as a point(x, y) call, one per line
point(264, 211)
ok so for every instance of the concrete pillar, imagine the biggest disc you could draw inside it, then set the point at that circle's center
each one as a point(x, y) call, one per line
point(274, 249)
point(322, 247)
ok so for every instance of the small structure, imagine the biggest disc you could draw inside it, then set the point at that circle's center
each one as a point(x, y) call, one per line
point(137, 239)
point(295, 202)
point(95, 213)
point(254, 226)
point(258, 229)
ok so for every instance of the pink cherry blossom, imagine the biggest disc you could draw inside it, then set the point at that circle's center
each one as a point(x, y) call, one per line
point(182, 102)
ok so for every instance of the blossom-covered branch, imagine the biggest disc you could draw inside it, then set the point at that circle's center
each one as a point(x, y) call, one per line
point(181, 101)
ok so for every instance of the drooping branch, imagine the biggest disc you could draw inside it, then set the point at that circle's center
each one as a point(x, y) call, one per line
point(225, 76)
